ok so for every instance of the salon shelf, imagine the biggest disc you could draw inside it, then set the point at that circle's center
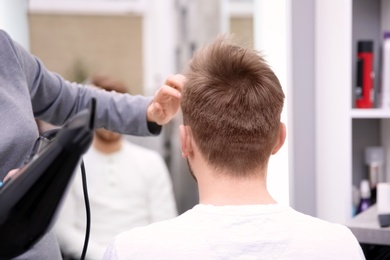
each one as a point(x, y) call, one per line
point(342, 132)
point(374, 113)
point(365, 227)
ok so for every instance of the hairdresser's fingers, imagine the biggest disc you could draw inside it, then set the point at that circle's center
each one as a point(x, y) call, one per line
point(166, 101)
point(155, 113)
point(167, 92)
point(162, 112)
point(10, 174)
point(176, 81)
point(164, 106)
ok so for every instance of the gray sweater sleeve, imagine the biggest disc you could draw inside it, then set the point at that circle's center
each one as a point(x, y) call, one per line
point(54, 99)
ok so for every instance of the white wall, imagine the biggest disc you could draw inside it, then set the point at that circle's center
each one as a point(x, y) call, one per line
point(13, 19)
point(333, 66)
point(271, 37)
point(159, 43)
point(301, 108)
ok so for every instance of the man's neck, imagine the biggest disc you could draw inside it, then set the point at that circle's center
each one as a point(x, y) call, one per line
point(107, 147)
point(220, 189)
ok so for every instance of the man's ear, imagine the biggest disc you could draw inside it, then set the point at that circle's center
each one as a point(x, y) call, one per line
point(185, 140)
point(281, 138)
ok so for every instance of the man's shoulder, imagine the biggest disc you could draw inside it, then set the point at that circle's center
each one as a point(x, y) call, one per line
point(135, 148)
point(319, 226)
point(176, 238)
point(316, 235)
point(161, 235)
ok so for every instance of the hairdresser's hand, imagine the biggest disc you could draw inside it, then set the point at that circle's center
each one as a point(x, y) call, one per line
point(166, 102)
point(10, 174)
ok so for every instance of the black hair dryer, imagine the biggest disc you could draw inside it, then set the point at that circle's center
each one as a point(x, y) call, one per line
point(31, 198)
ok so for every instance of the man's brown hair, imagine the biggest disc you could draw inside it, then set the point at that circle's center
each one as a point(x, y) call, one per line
point(232, 102)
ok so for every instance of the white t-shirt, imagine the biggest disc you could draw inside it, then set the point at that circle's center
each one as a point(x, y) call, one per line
point(238, 232)
point(127, 189)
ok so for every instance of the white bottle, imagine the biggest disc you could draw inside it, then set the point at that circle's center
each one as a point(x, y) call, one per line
point(365, 196)
point(383, 203)
point(385, 84)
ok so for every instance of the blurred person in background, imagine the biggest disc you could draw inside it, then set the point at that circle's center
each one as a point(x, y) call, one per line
point(128, 185)
point(28, 91)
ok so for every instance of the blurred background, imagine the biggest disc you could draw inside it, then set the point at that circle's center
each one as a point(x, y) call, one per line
point(141, 42)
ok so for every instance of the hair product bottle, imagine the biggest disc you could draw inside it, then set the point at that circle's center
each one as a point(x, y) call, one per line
point(385, 82)
point(384, 204)
point(365, 196)
point(365, 75)
point(374, 157)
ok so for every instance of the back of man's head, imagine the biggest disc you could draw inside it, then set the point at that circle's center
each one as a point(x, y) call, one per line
point(232, 102)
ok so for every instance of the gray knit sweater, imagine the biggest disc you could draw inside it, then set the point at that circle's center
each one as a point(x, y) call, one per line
point(29, 90)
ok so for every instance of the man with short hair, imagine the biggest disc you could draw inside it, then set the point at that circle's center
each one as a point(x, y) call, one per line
point(231, 105)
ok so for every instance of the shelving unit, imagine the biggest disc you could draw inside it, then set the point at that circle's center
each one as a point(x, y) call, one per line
point(370, 127)
point(342, 131)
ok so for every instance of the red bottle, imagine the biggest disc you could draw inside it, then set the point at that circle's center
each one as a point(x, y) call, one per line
point(365, 75)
